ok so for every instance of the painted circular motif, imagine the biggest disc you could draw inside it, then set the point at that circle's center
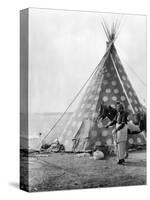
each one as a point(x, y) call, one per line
point(129, 107)
point(136, 109)
point(130, 93)
point(131, 141)
point(104, 133)
point(124, 78)
point(114, 83)
point(99, 89)
point(105, 82)
point(105, 98)
point(114, 98)
point(97, 143)
point(95, 114)
point(135, 101)
point(108, 90)
point(116, 91)
point(113, 105)
point(96, 98)
point(122, 98)
point(109, 141)
point(139, 140)
point(100, 124)
point(128, 85)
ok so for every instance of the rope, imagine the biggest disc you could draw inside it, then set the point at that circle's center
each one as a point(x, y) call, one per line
point(69, 104)
point(78, 92)
point(137, 76)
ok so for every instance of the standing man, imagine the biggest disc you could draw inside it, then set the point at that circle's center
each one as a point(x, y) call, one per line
point(120, 131)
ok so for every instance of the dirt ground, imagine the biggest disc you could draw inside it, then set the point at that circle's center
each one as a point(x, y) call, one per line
point(58, 171)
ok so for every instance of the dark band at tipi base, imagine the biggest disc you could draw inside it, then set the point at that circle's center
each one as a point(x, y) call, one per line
point(107, 85)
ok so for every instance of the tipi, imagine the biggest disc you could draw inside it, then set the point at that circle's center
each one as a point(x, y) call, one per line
point(109, 83)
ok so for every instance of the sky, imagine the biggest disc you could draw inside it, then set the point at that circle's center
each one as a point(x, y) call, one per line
point(66, 46)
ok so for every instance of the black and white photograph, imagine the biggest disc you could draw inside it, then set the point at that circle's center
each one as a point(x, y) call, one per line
point(83, 99)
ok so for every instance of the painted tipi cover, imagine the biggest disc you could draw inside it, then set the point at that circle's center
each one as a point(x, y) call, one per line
point(108, 84)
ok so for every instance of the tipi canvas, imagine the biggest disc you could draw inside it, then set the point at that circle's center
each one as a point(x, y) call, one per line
point(109, 83)
point(82, 113)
